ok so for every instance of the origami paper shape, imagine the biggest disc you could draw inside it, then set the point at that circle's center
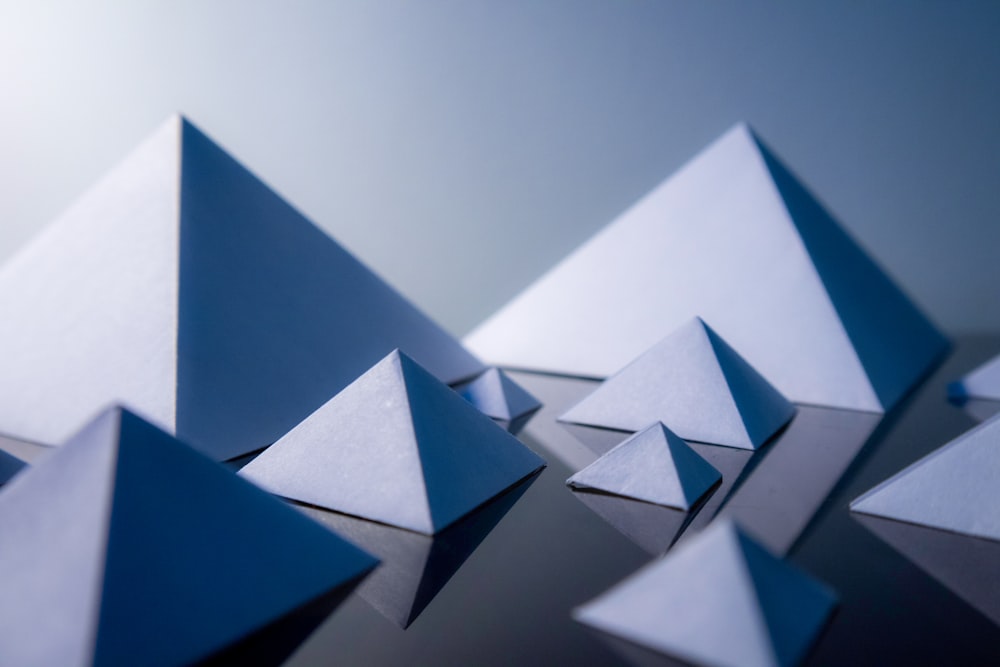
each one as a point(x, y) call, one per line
point(983, 382)
point(395, 446)
point(497, 396)
point(414, 568)
point(183, 285)
point(953, 488)
point(126, 547)
point(735, 238)
point(697, 385)
point(10, 465)
point(718, 599)
point(653, 465)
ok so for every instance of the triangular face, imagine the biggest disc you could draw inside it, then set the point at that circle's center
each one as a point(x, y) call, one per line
point(983, 382)
point(497, 396)
point(160, 555)
point(655, 466)
point(953, 488)
point(10, 465)
point(733, 238)
point(703, 603)
point(697, 385)
point(183, 285)
point(398, 447)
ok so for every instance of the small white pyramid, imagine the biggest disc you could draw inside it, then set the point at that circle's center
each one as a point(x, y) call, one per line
point(497, 396)
point(954, 488)
point(694, 383)
point(653, 465)
point(718, 599)
point(396, 446)
point(733, 237)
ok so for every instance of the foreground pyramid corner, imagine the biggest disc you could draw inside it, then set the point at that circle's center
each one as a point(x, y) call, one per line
point(735, 237)
point(694, 383)
point(239, 318)
point(719, 599)
point(125, 546)
point(953, 488)
point(654, 466)
point(397, 447)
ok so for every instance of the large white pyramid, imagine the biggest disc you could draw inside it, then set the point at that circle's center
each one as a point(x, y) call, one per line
point(182, 285)
point(732, 237)
point(719, 599)
point(694, 383)
point(398, 447)
point(954, 488)
point(126, 547)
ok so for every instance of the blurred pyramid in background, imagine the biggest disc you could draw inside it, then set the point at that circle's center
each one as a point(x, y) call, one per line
point(735, 238)
point(694, 383)
point(500, 398)
point(982, 382)
point(396, 446)
point(182, 285)
point(126, 547)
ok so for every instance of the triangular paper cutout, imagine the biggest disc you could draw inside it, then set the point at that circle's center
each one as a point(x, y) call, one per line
point(734, 238)
point(497, 396)
point(396, 446)
point(184, 286)
point(717, 599)
point(697, 385)
point(982, 382)
point(653, 465)
point(10, 465)
point(953, 488)
point(127, 547)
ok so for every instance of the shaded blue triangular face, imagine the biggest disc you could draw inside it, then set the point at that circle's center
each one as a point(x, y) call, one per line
point(10, 465)
point(397, 446)
point(953, 488)
point(655, 466)
point(717, 599)
point(198, 558)
point(695, 384)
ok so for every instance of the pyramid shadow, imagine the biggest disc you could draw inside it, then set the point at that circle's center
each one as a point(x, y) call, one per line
point(979, 409)
point(967, 566)
point(416, 567)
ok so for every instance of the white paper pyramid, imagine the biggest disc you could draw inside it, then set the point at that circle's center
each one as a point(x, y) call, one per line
point(184, 286)
point(982, 382)
point(694, 383)
point(499, 397)
point(734, 238)
point(396, 446)
point(653, 465)
point(126, 547)
point(955, 488)
point(719, 599)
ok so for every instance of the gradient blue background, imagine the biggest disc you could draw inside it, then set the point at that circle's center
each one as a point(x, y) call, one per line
point(461, 148)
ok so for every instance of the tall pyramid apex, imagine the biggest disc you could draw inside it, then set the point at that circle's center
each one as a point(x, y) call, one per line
point(695, 384)
point(183, 285)
point(92, 578)
point(719, 599)
point(398, 447)
point(953, 488)
point(733, 236)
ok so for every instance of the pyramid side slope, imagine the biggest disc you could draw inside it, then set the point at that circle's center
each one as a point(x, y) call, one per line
point(716, 241)
point(276, 316)
point(181, 582)
point(953, 488)
point(983, 382)
point(357, 454)
point(465, 457)
point(895, 342)
point(91, 303)
point(53, 530)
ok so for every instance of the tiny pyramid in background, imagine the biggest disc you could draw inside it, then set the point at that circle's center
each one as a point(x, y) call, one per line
point(954, 488)
point(697, 385)
point(10, 465)
point(396, 446)
point(719, 599)
point(733, 237)
point(982, 382)
point(127, 547)
point(184, 286)
point(653, 465)
point(497, 396)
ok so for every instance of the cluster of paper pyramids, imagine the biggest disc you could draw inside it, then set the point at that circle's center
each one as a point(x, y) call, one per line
point(184, 288)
